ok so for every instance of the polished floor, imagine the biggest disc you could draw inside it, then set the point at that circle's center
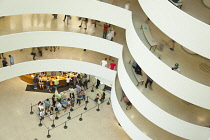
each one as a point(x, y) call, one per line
point(189, 64)
point(18, 124)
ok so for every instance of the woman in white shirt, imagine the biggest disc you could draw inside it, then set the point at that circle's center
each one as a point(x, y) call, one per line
point(110, 35)
point(68, 80)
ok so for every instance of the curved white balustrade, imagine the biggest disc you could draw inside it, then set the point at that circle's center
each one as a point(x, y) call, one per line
point(185, 88)
point(58, 38)
point(57, 65)
point(172, 81)
point(124, 121)
point(84, 8)
point(178, 25)
point(155, 114)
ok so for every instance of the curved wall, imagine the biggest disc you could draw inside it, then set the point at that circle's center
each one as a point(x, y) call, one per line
point(57, 38)
point(170, 80)
point(185, 89)
point(57, 65)
point(85, 8)
point(178, 25)
point(155, 114)
point(125, 122)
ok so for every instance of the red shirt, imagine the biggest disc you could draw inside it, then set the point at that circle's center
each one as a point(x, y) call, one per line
point(106, 27)
point(112, 66)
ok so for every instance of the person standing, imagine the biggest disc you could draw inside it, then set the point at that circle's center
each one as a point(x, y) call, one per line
point(35, 80)
point(41, 114)
point(78, 89)
point(48, 84)
point(41, 83)
point(58, 96)
point(149, 81)
point(104, 62)
point(97, 98)
point(103, 97)
point(55, 16)
point(112, 65)
point(79, 98)
point(56, 82)
point(51, 114)
point(71, 90)
point(47, 105)
point(111, 35)
point(53, 100)
point(68, 81)
point(4, 62)
point(72, 101)
point(11, 60)
point(51, 85)
point(106, 26)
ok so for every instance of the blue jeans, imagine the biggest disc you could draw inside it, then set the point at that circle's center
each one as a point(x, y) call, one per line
point(35, 86)
point(104, 34)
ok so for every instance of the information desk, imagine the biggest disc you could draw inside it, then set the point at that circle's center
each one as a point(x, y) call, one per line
point(62, 78)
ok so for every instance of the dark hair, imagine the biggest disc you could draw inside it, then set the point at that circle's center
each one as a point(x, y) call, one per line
point(47, 99)
point(105, 58)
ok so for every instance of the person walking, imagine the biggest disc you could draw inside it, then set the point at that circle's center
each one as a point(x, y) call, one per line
point(112, 65)
point(106, 26)
point(68, 18)
point(4, 62)
point(51, 85)
point(85, 21)
point(149, 81)
point(104, 62)
point(35, 80)
point(11, 59)
point(34, 54)
point(41, 83)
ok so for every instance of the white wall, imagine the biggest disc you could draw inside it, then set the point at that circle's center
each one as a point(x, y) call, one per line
point(85, 8)
point(170, 80)
point(178, 25)
point(57, 65)
point(155, 114)
point(124, 121)
point(58, 38)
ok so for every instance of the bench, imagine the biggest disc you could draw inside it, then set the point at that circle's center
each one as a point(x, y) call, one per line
point(137, 76)
point(179, 5)
point(148, 36)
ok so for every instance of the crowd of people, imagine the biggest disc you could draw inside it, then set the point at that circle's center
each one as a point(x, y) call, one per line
point(49, 82)
point(65, 100)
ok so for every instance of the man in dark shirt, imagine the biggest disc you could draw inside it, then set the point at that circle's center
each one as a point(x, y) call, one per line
point(106, 26)
point(35, 82)
point(4, 62)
